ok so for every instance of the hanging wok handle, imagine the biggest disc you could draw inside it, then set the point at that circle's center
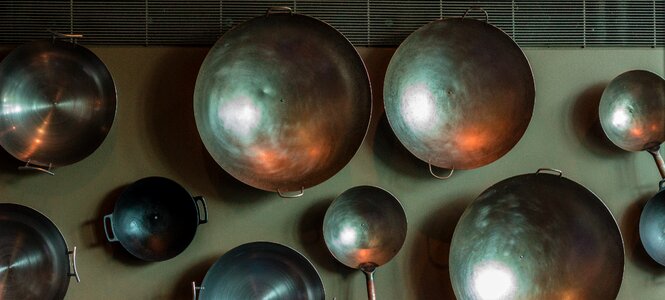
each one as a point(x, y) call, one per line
point(431, 171)
point(196, 288)
point(202, 200)
point(279, 9)
point(106, 230)
point(64, 35)
point(29, 167)
point(369, 269)
point(660, 184)
point(297, 195)
point(75, 271)
point(487, 16)
point(655, 152)
point(542, 170)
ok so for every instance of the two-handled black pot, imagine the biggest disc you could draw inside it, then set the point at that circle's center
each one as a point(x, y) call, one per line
point(155, 219)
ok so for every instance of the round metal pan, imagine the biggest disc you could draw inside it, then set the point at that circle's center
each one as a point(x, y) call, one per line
point(458, 93)
point(282, 102)
point(34, 258)
point(537, 236)
point(652, 226)
point(58, 103)
point(155, 219)
point(261, 270)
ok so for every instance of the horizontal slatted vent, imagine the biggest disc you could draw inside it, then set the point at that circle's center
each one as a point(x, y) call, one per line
point(580, 23)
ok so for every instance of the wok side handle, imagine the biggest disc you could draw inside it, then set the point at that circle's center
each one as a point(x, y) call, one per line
point(279, 9)
point(75, 272)
point(106, 230)
point(195, 289)
point(542, 170)
point(29, 167)
point(659, 160)
point(369, 276)
point(202, 200)
point(297, 195)
point(64, 35)
point(487, 16)
point(431, 171)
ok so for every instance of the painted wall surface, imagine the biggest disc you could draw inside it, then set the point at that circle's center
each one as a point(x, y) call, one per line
point(155, 134)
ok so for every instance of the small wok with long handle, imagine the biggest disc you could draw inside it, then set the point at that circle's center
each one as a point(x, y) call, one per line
point(364, 228)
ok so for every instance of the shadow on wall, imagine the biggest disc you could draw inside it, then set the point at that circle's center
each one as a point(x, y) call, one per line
point(630, 230)
point(429, 262)
point(586, 123)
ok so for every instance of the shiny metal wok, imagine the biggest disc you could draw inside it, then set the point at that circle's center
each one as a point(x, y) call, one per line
point(282, 102)
point(652, 226)
point(34, 258)
point(632, 113)
point(155, 219)
point(261, 270)
point(458, 93)
point(58, 103)
point(365, 228)
point(536, 236)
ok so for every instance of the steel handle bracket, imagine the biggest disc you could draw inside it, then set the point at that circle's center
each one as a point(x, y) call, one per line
point(72, 36)
point(556, 171)
point(279, 9)
point(74, 272)
point(106, 230)
point(296, 195)
point(487, 16)
point(431, 171)
point(30, 167)
point(195, 289)
point(200, 199)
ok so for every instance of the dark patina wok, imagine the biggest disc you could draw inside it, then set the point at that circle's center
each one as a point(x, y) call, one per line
point(155, 219)
point(34, 258)
point(282, 102)
point(261, 270)
point(458, 93)
point(536, 236)
point(58, 103)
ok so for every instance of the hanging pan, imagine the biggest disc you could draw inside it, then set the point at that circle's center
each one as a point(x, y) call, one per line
point(536, 236)
point(58, 103)
point(282, 102)
point(458, 93)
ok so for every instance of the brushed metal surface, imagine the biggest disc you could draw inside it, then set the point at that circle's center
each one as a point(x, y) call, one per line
point(282, 102)
point(34, 263)
point(536, 236)
point(58, 102)
point(262, 270)
point(155, 219)
point(652, 226)
point(364, 228)
point(632, 110)
point(459, 93)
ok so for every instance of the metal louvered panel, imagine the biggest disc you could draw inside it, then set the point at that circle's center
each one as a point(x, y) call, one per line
point(572, 23)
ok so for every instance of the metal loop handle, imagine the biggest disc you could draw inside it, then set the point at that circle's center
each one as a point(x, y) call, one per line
point(558, 172)
point(279, 9)
point(660, 184)
point(29, 167)
point(106, 231)
point(76, 272)
point(299, 194)
point(196, 288)
point(487, 16)
point(202, 200)
point(72, 36)
point(431, 171)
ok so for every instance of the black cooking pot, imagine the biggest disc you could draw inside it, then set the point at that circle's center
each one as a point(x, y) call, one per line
point(652, 226)
point(34, 258)
point(155, 219)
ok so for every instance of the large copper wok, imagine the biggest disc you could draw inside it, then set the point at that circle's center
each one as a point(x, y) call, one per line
point(58, 103)
point(282, 102)
point(536, 236)
point(34, 258)
point(458, 93)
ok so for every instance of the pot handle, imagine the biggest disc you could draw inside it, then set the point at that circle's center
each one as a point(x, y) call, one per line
point(29, 167)
point(106, 230)
point(431, 171)
point(658, 159)
point(75, 272)
point(198, 199)
point(279, 9)
point(487, 16)
point(660, 184)
point(296, 195)
point(194, 289)
point(541, 170)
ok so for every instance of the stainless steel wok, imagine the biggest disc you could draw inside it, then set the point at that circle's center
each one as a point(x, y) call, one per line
point(458, 93)
point(282, 102)
point(34, 258)
point(58, 103)
point(536, 236)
